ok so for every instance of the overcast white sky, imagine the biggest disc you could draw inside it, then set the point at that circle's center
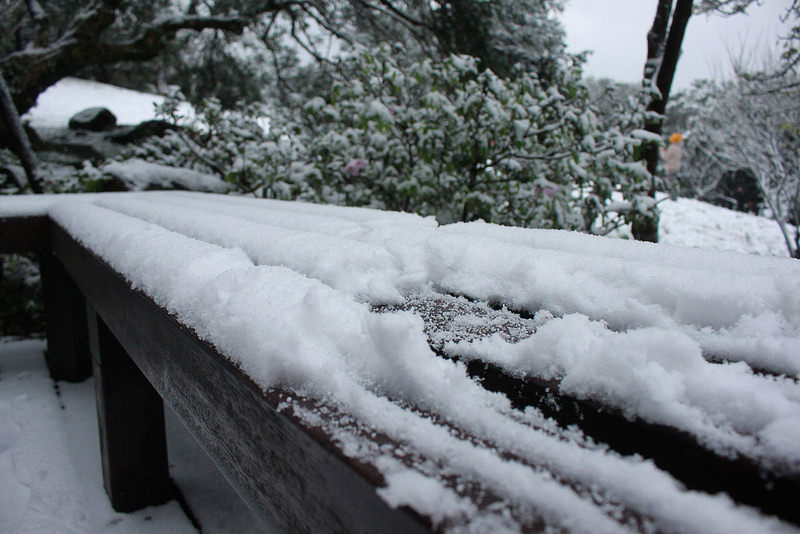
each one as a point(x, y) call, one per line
point(617, 32)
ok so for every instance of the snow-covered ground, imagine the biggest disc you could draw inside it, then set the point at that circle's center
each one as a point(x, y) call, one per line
point(50, 474)
point(692, 223)
point(49, 468)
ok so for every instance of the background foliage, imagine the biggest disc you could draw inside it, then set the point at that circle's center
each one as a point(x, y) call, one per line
point(436, 138)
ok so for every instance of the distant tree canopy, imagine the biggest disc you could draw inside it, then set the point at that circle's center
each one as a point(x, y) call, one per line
point(748, 125)
point(300, 49)
point(441, 138)
point(251, 45)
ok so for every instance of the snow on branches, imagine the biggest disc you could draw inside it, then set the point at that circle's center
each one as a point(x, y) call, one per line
point(446, 139)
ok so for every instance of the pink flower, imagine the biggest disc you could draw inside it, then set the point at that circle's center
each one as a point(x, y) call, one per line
point(353, 168)
point(548, 191)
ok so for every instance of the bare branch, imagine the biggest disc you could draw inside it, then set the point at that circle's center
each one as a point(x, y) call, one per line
point(307, 46)
point(41, 22)
point(404, 16)
point(197, 152)
point(725, 7)
point(153, 39)
point(390, 10)
point(324, 24)
point(19, 139)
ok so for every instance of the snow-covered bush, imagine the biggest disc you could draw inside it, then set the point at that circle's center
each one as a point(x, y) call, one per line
point(435, 138)
point(445, 139)
point(227, 143)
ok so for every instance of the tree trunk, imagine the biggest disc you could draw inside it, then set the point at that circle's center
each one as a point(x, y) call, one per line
point(777, 216)
point(18, 138)
point(665, 75)
point(656, 38)
point(645, 229)
point(663, 52)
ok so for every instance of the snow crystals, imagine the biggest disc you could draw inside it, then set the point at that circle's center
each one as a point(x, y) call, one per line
point(690, 339)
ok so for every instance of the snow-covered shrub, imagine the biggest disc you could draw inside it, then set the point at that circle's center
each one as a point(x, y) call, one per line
point(212, 141)
point(448, 140)
point(435, 138)
point(748, 125)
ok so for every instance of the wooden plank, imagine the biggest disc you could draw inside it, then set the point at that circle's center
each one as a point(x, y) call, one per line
point(292, 478)
point(130, 418)
point(24, 234)
point(671, 449)
point(67, 354)
point(67, 343)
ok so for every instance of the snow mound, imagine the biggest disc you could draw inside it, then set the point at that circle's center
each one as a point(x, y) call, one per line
point(693, 223)
point(59, 102)
point(138, 175)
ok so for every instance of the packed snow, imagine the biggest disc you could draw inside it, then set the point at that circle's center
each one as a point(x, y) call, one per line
point(286, 289)
point(138, 174)
point(693, 223)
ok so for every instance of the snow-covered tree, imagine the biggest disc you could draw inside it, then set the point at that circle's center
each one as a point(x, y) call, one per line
point(664, 42)
point(505, 35)
point(752, 123)
point(438, 138)
point(791, 51)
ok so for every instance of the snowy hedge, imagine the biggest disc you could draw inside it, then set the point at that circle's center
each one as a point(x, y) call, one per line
point(434, 138)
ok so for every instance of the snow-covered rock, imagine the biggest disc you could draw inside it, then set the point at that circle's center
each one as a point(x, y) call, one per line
point(95, 119)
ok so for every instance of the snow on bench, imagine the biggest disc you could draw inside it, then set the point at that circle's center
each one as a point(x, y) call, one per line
point(476, 377)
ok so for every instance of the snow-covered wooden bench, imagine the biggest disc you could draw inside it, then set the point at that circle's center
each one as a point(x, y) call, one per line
point(355, 370)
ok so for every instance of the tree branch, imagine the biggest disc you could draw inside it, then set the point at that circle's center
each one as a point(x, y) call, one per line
point(31, 71)
point(323, 24)
point(656, 37)
point(41, 22)
point(153, 38)
point(725, 7)
point(19, 139)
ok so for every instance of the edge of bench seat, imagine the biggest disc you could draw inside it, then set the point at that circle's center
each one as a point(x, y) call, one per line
point(290, 476)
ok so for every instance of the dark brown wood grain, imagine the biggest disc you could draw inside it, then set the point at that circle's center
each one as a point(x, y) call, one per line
point(24, 234)
point(673, 450)
point(130, 418)
point(67, 353)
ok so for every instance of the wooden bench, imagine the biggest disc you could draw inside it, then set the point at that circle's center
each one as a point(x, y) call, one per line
point(389, 444)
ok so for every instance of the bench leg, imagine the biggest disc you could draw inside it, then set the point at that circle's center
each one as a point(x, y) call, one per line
point(65, 315)
point(131, 421)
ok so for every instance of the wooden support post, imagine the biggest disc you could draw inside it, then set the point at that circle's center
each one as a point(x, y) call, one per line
point(131, 420)
point(67, 353)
